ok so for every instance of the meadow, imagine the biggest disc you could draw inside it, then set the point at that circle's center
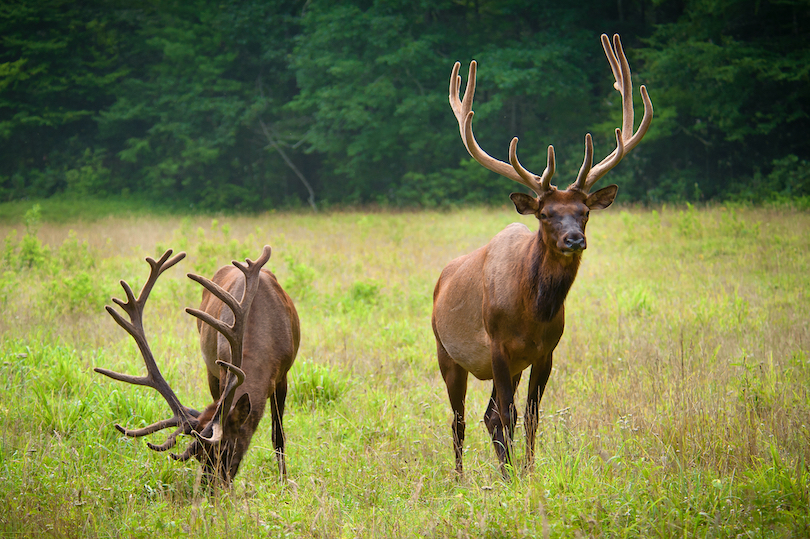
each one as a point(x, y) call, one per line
point(677, 407)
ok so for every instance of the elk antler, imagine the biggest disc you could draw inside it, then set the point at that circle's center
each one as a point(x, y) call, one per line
point(183, 417)
point(624, 141)
point(231, 375)
point(588, 174)
point(513, 170)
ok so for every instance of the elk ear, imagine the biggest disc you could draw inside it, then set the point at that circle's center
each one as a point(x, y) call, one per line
point(525, 204)
point(240, 411)
point(602, 198)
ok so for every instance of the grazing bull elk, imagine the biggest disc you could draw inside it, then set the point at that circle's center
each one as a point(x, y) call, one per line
point(500, 309)
point(248, 347)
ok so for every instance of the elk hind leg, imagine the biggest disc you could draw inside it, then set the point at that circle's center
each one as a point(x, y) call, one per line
point(277, 403)
point(455, 378)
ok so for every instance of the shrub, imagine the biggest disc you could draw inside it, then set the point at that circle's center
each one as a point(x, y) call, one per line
point(315, 385)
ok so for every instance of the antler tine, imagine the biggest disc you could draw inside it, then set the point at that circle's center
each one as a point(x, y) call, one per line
point(585, 176)
point(459, 110)
point(251, 270)
point(462, 109)
point(233, 333)
point(625, 139)
point(616, 55)
point(538, 184)
point(190, 451)
point(170, 441)
point(213, 431)
point(183, 417)
point(587, 163)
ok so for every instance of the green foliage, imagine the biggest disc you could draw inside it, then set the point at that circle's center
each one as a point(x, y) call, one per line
point(186, 106)
point(90, 178)
point(7, 283)
point(361, 297)
point(733, 225)
point(65, 208)
point(75, 254)
point(636, 301)
point(368, 75)
point(78, 291)
point(688, 223)
point(790, 176)
point(314, 385)
point(31, 252)
point(244, 106)
point(185, 123)
point(787, 183)
point(71, 268)
point(732, 76)
point(58, 66)
point(299, 283)
point(209, 249)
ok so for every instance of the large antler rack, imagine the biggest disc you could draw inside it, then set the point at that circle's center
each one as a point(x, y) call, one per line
point(231, 375)
point(625, 139)
point(183, 418)
point(588, 174)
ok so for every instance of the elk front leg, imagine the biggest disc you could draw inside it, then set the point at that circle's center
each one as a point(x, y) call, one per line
point(537, 385)
point(500, 417)
point(277, 402)
point(455, 378)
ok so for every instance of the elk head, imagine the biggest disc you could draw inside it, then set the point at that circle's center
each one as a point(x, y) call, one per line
point(563, 214)
point(220, 442)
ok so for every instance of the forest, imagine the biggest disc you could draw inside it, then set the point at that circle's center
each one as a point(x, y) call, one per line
point(251, 105)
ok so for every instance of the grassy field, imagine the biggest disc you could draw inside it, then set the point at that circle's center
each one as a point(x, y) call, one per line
point(678, 405)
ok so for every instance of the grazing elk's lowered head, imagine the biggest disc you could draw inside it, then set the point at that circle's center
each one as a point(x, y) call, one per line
point(248, 345)
point(500, 309)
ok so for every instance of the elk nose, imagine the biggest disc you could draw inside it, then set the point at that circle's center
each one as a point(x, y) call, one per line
point(575, 243)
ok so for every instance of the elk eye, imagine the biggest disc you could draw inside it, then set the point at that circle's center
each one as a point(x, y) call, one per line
point(543, 216)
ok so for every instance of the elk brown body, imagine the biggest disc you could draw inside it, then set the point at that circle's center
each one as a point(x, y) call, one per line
point(248, 346)
point(272, 337)
point(501, 309)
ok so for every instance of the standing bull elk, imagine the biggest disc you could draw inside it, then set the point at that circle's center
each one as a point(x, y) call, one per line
point(500, 309)
point(248, 346)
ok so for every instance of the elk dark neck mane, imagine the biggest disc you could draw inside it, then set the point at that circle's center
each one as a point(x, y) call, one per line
point(550, 279)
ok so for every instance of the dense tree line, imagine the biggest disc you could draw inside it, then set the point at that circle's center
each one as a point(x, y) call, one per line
point(255, 104)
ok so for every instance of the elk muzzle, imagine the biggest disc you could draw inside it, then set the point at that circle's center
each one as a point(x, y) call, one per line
point(572, 243)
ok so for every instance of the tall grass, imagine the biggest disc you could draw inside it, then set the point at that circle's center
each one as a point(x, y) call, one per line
point(678, 404)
